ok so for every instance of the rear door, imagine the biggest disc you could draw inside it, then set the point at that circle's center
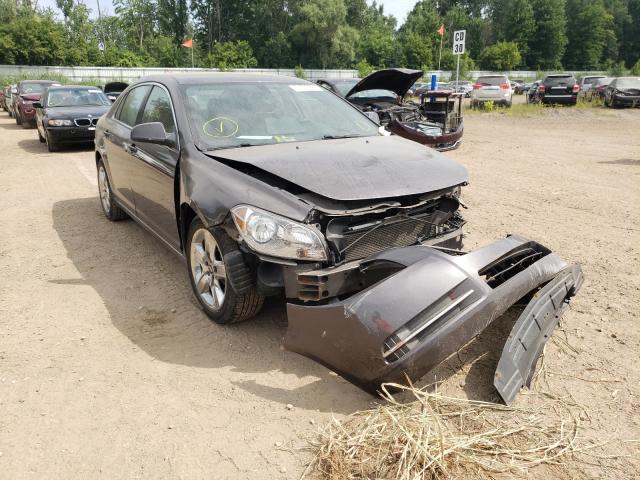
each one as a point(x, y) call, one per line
point(153, 170)
point(117, 139)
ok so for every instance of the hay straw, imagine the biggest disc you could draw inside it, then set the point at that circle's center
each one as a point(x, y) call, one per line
point(435, 437)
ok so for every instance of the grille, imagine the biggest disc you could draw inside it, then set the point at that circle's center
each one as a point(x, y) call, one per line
point(402, 233)
point(86, 122)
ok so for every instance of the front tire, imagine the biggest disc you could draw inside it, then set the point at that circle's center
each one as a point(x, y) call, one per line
point(51, 145)
point(18, 118)
point(110, 208)
point(206, 252)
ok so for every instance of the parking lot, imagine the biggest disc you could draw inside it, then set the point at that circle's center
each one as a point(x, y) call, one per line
point(108, 368)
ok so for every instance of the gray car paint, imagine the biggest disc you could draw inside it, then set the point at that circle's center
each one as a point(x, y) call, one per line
point(328, 333)
point(355, 168)
point(346, 334)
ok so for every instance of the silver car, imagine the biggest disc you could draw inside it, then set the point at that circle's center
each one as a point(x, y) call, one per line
point(492, 88)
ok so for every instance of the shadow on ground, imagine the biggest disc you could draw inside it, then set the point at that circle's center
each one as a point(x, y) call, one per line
point(33, 145)
point(146, 291)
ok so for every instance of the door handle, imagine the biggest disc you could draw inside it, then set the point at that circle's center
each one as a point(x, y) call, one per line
point(130, 148)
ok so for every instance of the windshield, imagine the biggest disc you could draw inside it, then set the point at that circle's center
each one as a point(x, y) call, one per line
point(344, 86)
point(227, 115)
point(374, 93)
point(76, 97)
point(492, 81)
point(628, 82)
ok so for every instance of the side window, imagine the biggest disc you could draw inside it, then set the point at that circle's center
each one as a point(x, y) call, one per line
point(131, 105)
point(158, 109)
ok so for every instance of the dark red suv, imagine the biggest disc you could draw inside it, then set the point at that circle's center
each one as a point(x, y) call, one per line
point(29, 91)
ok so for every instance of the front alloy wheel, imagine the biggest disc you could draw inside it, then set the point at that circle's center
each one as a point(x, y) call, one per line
point(206, 250)
point(207, 269)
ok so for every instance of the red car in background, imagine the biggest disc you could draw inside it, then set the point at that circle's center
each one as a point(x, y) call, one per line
point(29, 91)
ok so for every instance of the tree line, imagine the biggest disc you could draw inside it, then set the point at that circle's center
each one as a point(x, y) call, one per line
point(501, 34)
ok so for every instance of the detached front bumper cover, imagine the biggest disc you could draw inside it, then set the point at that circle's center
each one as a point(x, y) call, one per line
point(432, 306)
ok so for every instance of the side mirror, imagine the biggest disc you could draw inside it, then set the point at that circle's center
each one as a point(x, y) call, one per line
point(152, 132)
point(373, 116)
point(37, 105)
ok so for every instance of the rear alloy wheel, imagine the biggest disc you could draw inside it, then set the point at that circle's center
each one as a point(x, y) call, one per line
point(110, 208)
point(209, 278)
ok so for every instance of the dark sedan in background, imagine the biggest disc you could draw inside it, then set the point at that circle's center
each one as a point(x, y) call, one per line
point(269, 185)
point(623, 92)
point(69, 114)
point(29, 92)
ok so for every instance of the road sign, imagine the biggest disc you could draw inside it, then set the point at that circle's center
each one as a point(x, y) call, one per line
point(459, 37)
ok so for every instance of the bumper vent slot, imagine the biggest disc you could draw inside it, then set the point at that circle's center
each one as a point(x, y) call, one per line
point(408, 336)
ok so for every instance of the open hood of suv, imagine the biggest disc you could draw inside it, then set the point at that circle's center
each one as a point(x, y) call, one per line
point(354, 168)
point(398, 80)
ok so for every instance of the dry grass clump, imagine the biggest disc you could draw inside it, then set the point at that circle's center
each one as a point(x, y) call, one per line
point(436, 437)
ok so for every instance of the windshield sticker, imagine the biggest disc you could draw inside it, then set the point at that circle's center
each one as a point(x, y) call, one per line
point(220, 127)
point(306, 88)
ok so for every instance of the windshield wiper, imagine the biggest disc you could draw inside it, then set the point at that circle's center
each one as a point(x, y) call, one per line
point(334, 137)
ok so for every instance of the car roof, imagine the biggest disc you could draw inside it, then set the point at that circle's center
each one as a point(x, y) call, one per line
point(38, 81)
point(560, 75)
point(218, 77)
point(63, 87)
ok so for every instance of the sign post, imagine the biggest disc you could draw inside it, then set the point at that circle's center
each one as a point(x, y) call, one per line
point(459, 37)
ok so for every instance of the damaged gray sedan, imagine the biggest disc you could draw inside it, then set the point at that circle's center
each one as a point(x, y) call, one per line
point(272, 185)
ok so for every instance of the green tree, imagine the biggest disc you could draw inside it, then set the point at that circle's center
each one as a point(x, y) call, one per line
point(322, 38)
point(513, 21)
point(229, 55)
point(377, 45)
point(138, 17)
point(501, 57)
point(173, 17)
point(590, 34)
point(32, 39)
point(549, 40)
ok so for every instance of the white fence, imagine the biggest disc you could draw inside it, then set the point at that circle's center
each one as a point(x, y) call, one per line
point(129, 74)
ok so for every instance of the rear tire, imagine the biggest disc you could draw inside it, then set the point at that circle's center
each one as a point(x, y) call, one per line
point(207, 268)
point(109, 206)
point(41, 138)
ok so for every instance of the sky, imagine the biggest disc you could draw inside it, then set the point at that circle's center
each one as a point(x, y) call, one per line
point(397, 8)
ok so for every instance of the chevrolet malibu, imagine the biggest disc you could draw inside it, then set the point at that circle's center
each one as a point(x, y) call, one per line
point(267, 185)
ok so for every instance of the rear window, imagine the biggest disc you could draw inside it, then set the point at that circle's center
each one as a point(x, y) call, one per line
point(590, 80)
point(492, 81)
point(560, 80)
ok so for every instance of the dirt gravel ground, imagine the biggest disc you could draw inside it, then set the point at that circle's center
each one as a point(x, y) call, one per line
point(108, 369)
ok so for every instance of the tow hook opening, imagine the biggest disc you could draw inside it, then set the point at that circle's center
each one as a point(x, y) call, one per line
point(512, 263)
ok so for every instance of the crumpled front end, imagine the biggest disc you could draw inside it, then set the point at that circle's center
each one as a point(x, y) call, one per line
point(432, 303)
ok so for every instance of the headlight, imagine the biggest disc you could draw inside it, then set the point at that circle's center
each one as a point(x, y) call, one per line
point(60, 123)
point(277, 236)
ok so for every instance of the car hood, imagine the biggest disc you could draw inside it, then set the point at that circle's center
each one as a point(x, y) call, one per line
point(31, 97)
point(398, 80)
point(354, 168)
point(72, 112)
